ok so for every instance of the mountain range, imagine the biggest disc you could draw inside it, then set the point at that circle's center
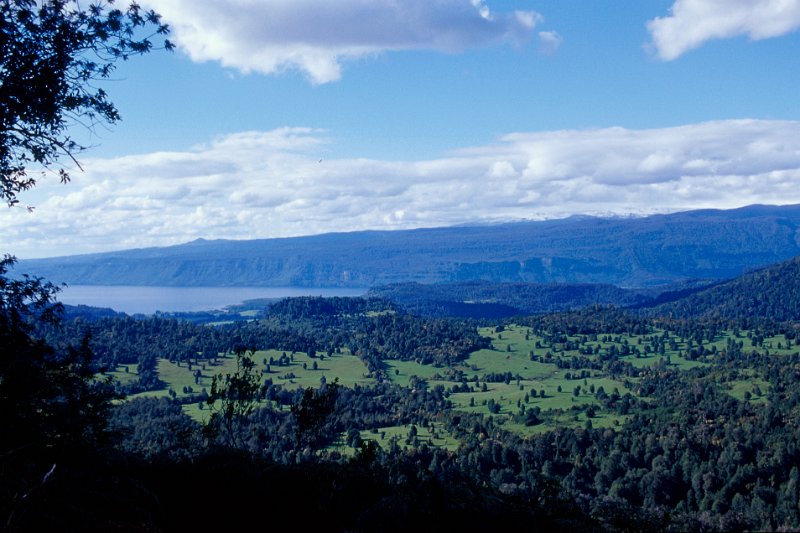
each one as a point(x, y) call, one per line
point(628, 252)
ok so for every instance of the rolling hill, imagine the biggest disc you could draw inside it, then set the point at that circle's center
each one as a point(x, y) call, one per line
point(492, 300)
point(772, 292)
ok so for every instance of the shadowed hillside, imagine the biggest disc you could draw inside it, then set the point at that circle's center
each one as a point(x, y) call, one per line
point(483, 299)
point(772, 292)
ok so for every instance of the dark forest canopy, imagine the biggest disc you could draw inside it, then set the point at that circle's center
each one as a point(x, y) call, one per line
point(484, 299)
point(769, 293)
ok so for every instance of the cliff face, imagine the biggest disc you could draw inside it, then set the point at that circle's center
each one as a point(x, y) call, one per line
point(647, 251)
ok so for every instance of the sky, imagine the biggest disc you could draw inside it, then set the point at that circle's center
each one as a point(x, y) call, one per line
point(279, 118)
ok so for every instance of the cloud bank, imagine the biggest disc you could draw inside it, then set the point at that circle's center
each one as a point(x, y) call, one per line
point(315, 36)
point(285, 183)
point(693, 22)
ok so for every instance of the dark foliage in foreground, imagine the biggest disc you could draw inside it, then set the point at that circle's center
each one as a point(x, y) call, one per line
point(230, 491)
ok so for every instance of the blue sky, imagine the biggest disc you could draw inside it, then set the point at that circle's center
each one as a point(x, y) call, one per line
point(289, 117)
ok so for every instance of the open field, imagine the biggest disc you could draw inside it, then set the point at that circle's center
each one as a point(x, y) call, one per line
point(749, 386)
point(569, 419)
point(510, 355)
point(125, 373)
point(432, 436)
point(504, 380)
point(401, 372)
point(299, 371)
point(522, 342)
point(404, 436)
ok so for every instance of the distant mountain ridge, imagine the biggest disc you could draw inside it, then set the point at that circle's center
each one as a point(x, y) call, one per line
point(629, 252)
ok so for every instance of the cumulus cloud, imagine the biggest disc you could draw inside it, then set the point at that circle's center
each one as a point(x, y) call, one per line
point(315, 36)
point(273, 184)
point(693, 22)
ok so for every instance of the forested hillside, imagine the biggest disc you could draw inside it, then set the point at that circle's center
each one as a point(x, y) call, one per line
point(483, 299)
point(631, 252)
point(772, 292)
point(352, 413)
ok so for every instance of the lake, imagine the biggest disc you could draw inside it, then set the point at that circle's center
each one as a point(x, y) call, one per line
point(148, 300)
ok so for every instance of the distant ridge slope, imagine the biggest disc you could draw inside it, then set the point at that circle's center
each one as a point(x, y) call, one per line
point(634, 252)
point(483, 299)
point(772, 292)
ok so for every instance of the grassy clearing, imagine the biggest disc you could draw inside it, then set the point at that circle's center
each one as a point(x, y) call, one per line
point(778, 345)
point(486, 361)
point(562, 394)
point(180, 379)
point(749, 386)
point(125, 373)
point(401, 372)
point(519, 343)
point(672, 360)
point(572, 420)
point(403, 436)
point(740, 389)
point(435, 436)
point(300, 372)
point(512, 396)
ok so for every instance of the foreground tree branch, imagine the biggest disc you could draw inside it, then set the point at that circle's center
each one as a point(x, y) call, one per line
point(51, 53)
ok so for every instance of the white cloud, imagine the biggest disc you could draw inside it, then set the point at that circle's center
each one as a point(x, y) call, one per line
point(315, 36)
point(549, 41)
point(693, 22)
point(272, 184)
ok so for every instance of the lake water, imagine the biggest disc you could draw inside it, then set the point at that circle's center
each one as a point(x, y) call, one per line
point(148, 300)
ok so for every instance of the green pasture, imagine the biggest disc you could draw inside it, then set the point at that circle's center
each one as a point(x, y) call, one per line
point(510, 397)
point(401, 372)
point(124, 373)
point(488, 361)
point(510, 352)
point(670, 360)
point(739, 390)
point(180, 378)
point(570, 419)
point(438, 437)
point(299, 372)
point(517, 348)
point(777, 345)
point(749, 385)
point(345, 367)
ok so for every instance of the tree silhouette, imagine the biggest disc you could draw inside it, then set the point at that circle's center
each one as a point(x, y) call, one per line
point(312, 412)
point(51, 401)
point(233, 397)
point(52, 54)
